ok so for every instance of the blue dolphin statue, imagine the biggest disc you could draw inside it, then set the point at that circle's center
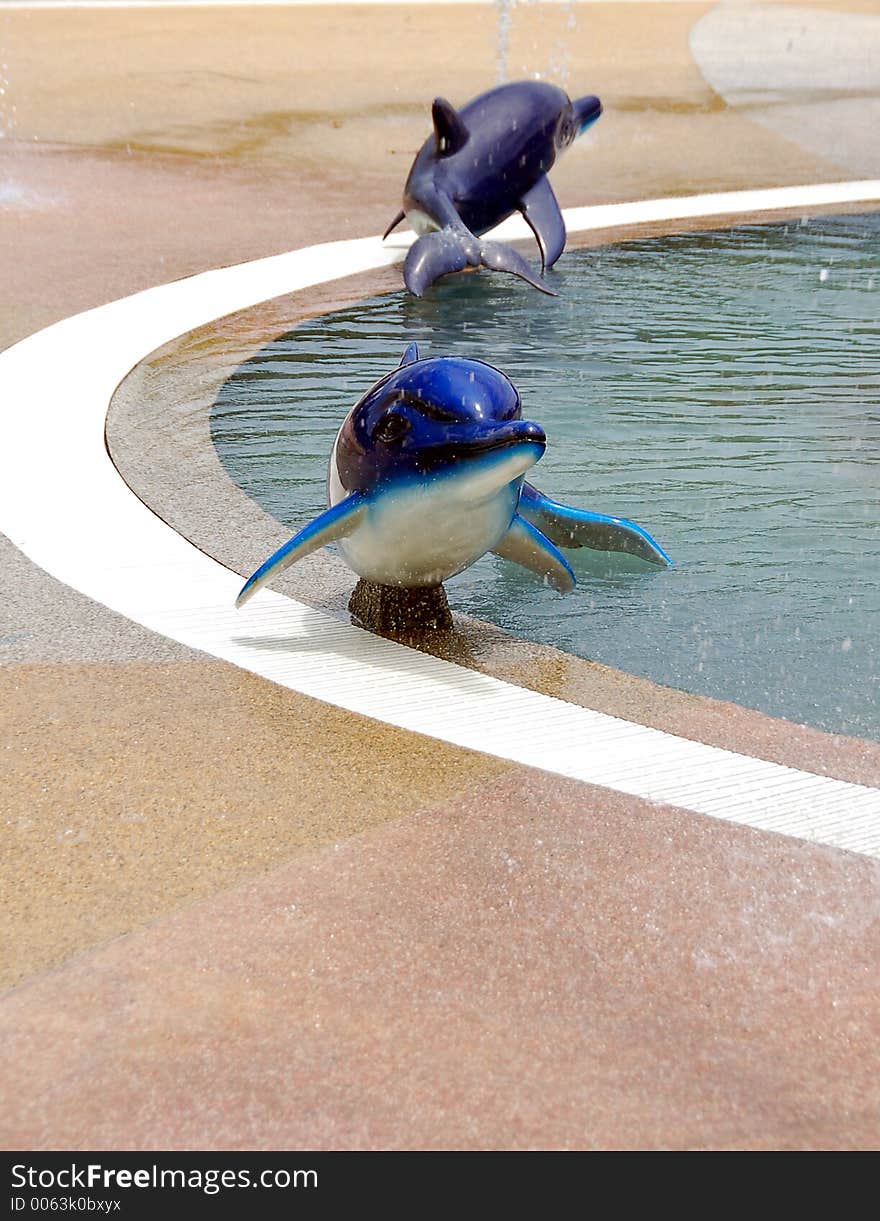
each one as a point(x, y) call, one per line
point(483, 163)
point(426, 475)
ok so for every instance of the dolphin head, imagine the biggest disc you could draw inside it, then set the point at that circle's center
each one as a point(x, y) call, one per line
point(575, 118)
point(432, 418)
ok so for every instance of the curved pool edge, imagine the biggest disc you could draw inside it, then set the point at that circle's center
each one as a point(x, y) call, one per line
point(114, 549)
point(159, 434)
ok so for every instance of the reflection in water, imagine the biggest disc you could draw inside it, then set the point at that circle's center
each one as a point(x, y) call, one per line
point(722, 389)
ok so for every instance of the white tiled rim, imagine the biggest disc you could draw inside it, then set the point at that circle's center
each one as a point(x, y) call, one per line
point(63, 503)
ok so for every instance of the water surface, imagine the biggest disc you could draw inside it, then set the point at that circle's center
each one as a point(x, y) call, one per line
point(721, 389)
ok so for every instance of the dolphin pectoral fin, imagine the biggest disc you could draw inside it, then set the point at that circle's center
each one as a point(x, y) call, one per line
point(541, 211)
point(498, 257)
point(437, 254)
point(570, 527)
point(334, 523)
point(398, 218)
point(527, 546)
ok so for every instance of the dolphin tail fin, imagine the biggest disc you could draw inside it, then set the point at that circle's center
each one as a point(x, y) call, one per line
point(334, 523)
point(569, 527)
point(443, 251)
point(498, 257)
point(437, 254)
point(526, 545)
point(398, 218)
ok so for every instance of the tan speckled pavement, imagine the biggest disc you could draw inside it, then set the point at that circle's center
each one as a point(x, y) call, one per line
point(237, 918)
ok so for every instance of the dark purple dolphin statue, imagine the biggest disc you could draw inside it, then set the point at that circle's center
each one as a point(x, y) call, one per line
point(483, 163)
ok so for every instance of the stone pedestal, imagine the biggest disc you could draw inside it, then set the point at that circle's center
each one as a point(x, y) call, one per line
point(386, 609)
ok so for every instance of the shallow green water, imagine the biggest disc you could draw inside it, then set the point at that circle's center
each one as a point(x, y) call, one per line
point(721, 389)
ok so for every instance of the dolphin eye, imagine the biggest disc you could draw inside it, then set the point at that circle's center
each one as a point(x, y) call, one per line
point(391, 427)
point(566, 131)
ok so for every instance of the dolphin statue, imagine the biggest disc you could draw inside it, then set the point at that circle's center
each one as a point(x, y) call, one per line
point(426, 475)
point(483, 163)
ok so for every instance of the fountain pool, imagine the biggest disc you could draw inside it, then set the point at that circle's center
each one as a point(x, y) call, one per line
point(722, 389)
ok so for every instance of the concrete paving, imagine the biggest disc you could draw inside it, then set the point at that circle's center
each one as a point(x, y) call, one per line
point(235, 917)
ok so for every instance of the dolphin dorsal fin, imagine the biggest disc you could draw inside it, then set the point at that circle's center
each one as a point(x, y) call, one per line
point(450, 132)
point(410, 356)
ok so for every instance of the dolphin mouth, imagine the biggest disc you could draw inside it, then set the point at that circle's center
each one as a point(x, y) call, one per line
point(586, 111)
point(453, 451)
point(519, 433)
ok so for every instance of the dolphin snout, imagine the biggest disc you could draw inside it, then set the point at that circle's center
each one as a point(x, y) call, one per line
point(586, 111)
point(472, 443)
point(528, 430)
point(512, 432)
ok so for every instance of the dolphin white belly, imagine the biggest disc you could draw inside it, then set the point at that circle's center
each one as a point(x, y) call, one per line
point(418, 535)
point(423, 532)
point(420, 222)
